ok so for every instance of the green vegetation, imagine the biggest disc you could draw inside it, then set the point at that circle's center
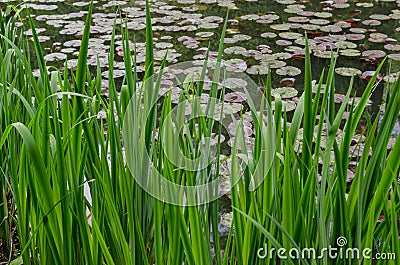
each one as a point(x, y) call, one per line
point(52, 144)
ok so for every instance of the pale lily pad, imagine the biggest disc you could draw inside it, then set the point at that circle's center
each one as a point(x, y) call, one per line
point(288, 70)
point(287, 82)
point(268, 35)
point(284, 92)
point(371, 22)
point(56, 56)
point(288, 105)
point(374, 54)
point(347, 71)
point(379, 17)
point(235, 97)
point(392, 47)
point(247, 128)
point(257, 70)
point(331, 28)
point(354, 36)
point(226, 219)
point(281, 27)
point(232, 83)
point(346, 45)
point(290, 35)
point(350, 52)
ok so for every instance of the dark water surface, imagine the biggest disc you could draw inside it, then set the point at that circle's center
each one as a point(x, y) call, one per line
point(260, 33)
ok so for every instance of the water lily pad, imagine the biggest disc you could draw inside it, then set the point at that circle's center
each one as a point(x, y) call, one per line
point(394, 56)
point(226, 218)
point(345, 45)
point(323, 54)
point(247, 128)
point(354, 36)
point(331, 28)
point(373, 54)
point(284, 92)
point(269, 35)
point(257, 70)
point(379, 17)
point(299, 19)
point(287, 82)
point(350, 52)
point(281, 27)
point(290, 35)
point(236, 65)
point(319, 21)
point(283, 42)
point(288, 70)
point(235, 97)
point(56, 56)
point(347, 71)
point(371, 22)
point(274, 64)
point(367, 75)
point(392, 47)
point(287, 105)
point(235, 83)
point(234, 50)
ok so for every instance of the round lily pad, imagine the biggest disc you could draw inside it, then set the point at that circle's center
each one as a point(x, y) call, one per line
point(56, 56)
point(347, 71)
point(268, 35)
point(235, 97)
point(373, 54)
point(350, 52)
point(235, 83)
point(288, 70)
point(290, 35)
point(284, 92)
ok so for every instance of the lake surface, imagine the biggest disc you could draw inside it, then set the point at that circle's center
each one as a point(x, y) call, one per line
point(260, 34)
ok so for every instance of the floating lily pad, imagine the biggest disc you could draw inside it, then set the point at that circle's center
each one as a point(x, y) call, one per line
point(350, 52)
point(247, 128)
point(281, 27)
point(288, 70)
point(269, 35)
point(367, 75)
point(234, 50)
point(226, 219)
point(290, 35)
point(347, 71)
point(374, 54)
point(284, 92)
point(283, 42)
point(236, 97)
point(287, 82)
point(371, 22)
point(235, 83)
point(394, 56)
point(345, 45)
point(331, 28)
point(379, 17)
point(56, 56)
point(354, 36)
point(392, 47)
point(257, 70)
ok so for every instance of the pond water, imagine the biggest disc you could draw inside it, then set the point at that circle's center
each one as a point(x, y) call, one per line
point(260, 33)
